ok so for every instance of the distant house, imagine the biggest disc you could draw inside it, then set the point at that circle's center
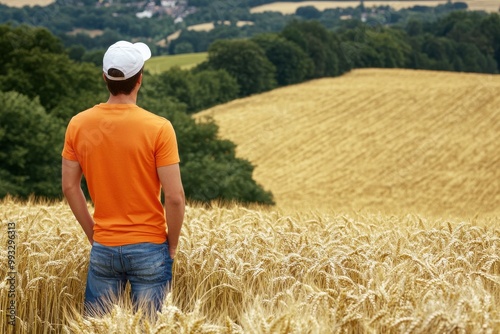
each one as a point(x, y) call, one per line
point(168, 3)
point(148, 11)
point(145, 14)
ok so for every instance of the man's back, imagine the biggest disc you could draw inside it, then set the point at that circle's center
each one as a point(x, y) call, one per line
point(119, 147)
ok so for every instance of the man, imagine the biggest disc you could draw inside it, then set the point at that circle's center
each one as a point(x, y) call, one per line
point(125, 153)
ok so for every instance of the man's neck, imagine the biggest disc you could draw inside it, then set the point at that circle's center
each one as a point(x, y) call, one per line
point(122, 99)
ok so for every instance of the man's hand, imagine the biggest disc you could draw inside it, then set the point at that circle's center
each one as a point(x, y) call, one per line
point(170, 179)
point(172, 251)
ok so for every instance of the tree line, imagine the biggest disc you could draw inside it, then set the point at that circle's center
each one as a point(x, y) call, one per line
point(71, 20)
point(304, 50)
point(333, 19)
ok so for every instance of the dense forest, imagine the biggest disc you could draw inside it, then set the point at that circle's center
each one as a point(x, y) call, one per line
point(42, 85)
point(87, 27)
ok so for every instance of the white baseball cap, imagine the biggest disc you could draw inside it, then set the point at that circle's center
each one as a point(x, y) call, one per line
point(126, 57)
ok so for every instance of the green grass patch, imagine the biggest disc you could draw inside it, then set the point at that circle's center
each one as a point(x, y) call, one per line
point(185, 61)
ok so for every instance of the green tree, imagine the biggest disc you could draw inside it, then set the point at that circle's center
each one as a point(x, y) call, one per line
point(212, 87)
point(376, 47)
point(308, 12)
point(76, 52)
point(414, 27)
point(196, 89)
point(391, 46)
point(245, 61)
point(31, 142)
point(439, 50)
point(35, 64)
point(14, 39)
point(292, 64)
point(199, 40)
point(183, 47)
point(322, 46)
point(473, 60)
point(490, 27)
point(95, 57)
point(174, 83)
point(360, 55)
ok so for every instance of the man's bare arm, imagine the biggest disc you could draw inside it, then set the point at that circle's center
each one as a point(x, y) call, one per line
point(170, 178)
point(71, 178)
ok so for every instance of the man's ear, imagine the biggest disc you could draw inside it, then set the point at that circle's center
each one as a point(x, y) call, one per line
point(104, 76)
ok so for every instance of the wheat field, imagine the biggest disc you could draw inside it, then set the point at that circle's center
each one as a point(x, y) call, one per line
point(264, 270)
point(386, 221)
point(286, 7)
point(389, 141)
point(211, 25)
point(21, 3)
point(290, 7)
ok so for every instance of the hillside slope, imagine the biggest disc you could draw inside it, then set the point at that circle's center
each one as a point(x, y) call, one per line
point(290, 7)
point(391, 141)
point(21, 3)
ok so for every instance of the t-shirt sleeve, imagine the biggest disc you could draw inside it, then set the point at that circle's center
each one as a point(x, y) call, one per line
point(166, 152)
point(68, 151)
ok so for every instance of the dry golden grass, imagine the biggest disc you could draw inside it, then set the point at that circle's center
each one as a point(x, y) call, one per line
point(210, 25)
point(90, 32)
point(272, 271)
point(291, 7)
point(486, 5)
point(389, 141)
point(197, 27)
point(21, 3)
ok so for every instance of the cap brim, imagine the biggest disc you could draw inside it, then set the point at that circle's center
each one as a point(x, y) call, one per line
point(143, 49)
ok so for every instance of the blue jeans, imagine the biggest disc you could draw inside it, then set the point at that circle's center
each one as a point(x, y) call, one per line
point(147, 266)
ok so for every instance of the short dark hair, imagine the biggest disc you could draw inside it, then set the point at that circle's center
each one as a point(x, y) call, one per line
point(124, 86)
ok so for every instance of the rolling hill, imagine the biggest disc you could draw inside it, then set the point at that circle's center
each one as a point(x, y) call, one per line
point(288, 7)
point(388, 141)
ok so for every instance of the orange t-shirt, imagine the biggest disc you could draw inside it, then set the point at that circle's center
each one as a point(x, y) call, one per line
point(119, 147)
